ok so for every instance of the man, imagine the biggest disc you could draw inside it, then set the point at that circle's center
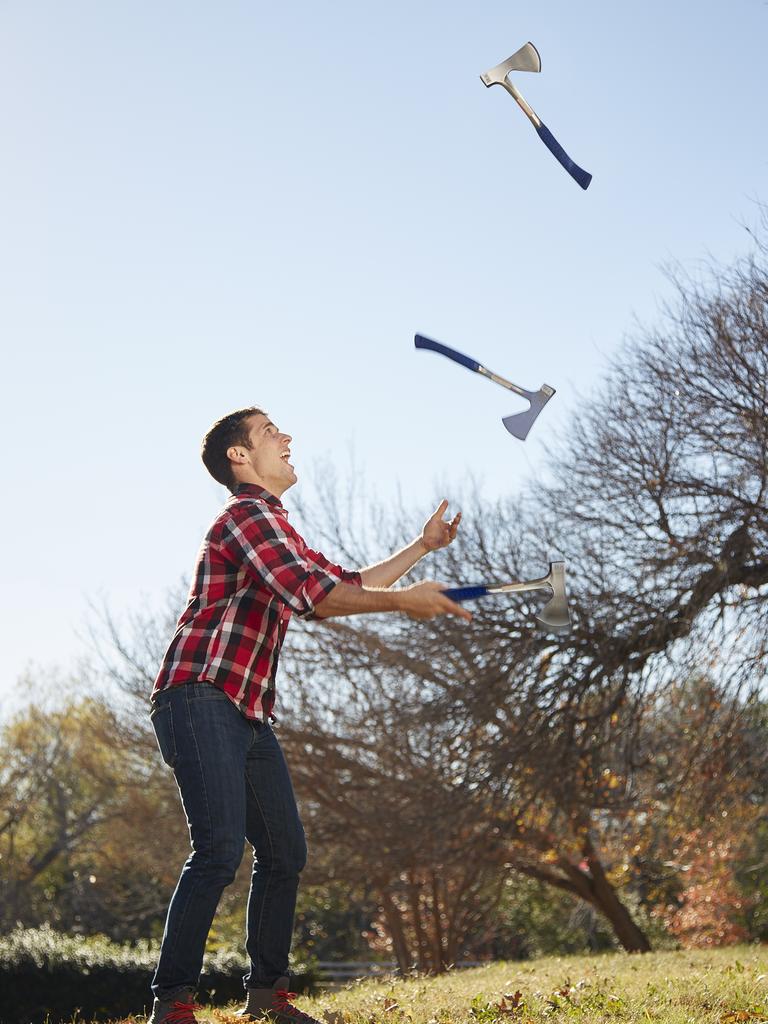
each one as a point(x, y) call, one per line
point(213, 699)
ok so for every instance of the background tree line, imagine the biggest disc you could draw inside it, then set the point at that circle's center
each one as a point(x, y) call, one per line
point(460, 783)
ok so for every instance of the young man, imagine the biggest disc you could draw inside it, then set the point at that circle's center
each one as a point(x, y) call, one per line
point(213, 698)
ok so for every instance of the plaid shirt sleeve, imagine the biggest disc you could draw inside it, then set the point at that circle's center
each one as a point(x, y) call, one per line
point(276, 557)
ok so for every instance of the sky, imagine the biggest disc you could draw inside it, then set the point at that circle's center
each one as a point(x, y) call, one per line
point(206, 206)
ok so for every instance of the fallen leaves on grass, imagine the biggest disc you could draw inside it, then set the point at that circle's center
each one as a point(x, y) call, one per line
point(515, 999)
point(486, 1013)
point(334, 1017)
point(582, 997)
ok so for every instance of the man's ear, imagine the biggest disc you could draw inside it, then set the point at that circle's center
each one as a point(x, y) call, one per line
point(236, 454)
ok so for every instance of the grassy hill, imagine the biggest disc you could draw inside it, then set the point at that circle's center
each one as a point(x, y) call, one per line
point(723, 986)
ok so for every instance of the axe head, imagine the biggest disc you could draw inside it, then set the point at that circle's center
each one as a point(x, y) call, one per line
point(525, 59)
point(555, 613)
point(519, 424)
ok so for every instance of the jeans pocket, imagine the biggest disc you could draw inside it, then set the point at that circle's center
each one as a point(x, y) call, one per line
point(162, 723)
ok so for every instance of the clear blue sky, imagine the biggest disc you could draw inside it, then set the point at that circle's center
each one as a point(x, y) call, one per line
point(204, 206)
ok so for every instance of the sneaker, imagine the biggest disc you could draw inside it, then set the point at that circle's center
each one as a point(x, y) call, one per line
point(275, 1004)
point(178, 1009)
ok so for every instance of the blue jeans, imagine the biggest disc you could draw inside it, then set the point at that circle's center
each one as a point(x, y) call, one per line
point(234, 785)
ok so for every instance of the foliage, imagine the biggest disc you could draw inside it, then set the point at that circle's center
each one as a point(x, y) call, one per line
point(700, 801)
point(752, 878)
point(44, 974)
point(334, 921)
point(46, 949)
point(535, 920)
point(82, 812)
point(710, 902)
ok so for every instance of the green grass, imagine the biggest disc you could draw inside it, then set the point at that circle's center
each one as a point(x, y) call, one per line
point(727, 986)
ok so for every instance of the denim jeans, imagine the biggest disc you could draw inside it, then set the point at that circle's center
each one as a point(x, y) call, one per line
point(234, 785)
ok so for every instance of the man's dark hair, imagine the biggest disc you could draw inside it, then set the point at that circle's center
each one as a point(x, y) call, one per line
point(230, 429)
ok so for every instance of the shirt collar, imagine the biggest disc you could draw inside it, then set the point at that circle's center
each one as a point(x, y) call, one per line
point(254, 491)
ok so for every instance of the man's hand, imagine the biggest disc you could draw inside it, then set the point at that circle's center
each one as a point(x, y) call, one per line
point(426, 600)
point(437, 533)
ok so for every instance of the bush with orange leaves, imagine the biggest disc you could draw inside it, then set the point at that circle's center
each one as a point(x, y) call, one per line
point(712, 908)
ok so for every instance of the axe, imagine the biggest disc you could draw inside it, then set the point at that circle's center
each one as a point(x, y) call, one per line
point(519, 423)
point(527, 59)
point(554, 614)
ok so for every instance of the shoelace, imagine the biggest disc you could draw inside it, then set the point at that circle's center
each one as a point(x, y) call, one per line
point(282, 1004)
point(182, 1013)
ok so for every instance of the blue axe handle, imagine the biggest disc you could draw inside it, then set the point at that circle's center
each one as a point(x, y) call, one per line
point(465, 593)
point(577, 173)
point(457, 357)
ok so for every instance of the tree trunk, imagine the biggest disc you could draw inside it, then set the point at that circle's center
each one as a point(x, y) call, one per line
point(396, 931)
point(632, 938)
point(595, 889)
point(605, 899)
point(422, 942)
point(438, 944)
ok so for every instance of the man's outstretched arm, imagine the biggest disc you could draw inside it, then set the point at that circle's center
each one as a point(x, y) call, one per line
point(424, 600)
point(437, 533)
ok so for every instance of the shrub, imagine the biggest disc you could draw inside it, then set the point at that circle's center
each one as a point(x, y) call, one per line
point(46, 976)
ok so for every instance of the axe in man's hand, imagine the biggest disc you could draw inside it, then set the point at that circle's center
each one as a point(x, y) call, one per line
point(554, 616)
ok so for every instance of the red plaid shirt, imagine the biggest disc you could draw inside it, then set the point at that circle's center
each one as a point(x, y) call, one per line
point(253, 571)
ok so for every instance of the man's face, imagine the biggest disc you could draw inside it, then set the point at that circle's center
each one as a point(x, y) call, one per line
point(267, 458)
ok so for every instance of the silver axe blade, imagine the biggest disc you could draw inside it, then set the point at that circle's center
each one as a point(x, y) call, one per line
point(525, 59)
point(521, 422)
point(555, 612)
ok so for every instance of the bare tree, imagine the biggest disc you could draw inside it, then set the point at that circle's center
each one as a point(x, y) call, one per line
point(658, 502)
